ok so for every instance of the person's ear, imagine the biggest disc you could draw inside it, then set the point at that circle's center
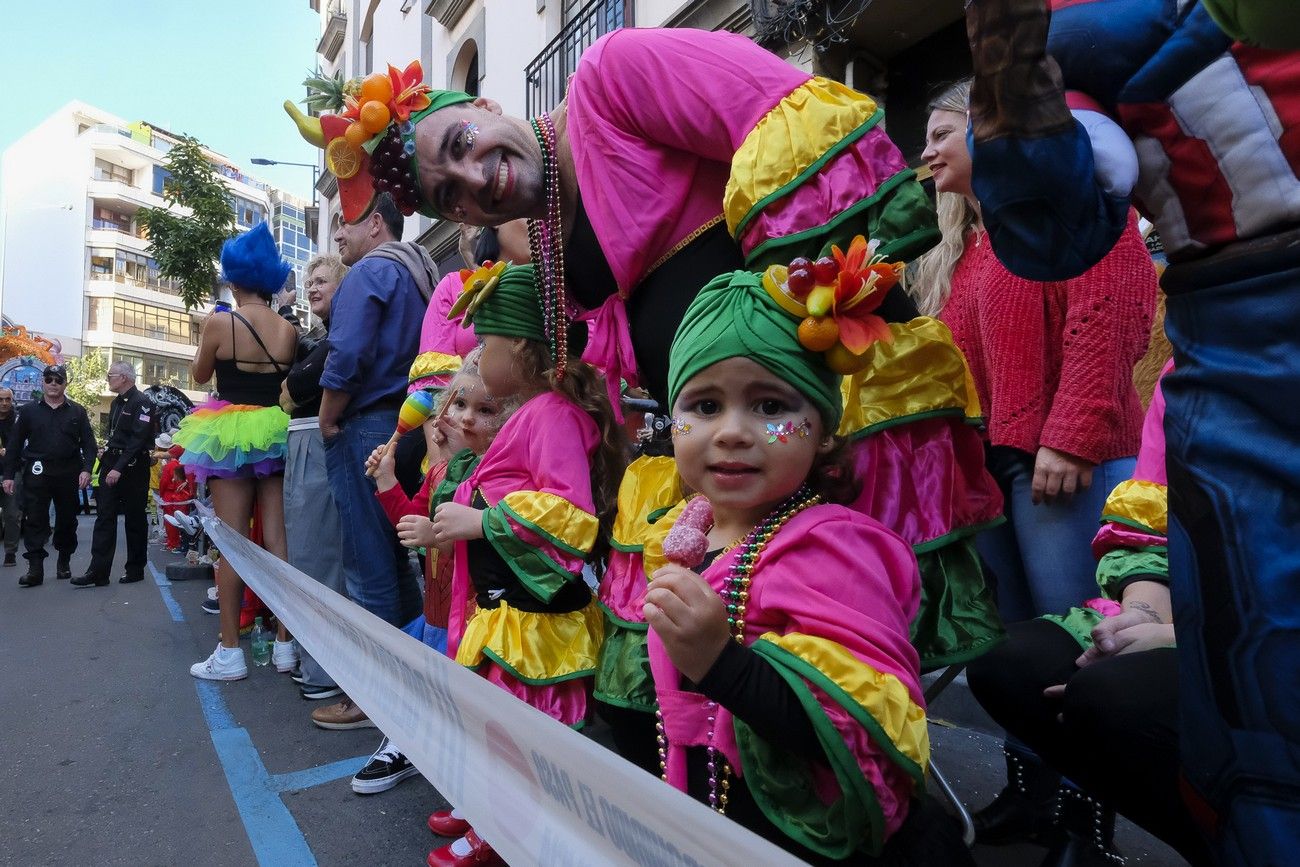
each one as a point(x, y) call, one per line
point(489, 105)
point(825, 446)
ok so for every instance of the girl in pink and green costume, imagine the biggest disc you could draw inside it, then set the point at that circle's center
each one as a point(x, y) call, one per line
point(788, 689)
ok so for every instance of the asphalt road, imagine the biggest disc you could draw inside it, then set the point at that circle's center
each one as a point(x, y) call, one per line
point(113, 754)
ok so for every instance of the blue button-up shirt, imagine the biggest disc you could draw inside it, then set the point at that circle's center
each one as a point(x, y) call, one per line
point(375, 321)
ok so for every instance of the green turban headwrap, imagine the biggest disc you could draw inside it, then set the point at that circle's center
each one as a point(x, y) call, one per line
point(438, 99)
point(511, 308)
point(733, 317)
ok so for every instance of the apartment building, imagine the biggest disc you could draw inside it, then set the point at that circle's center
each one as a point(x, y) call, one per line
point(74, 259)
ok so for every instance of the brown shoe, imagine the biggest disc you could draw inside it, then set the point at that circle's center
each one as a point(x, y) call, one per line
point(341, 716)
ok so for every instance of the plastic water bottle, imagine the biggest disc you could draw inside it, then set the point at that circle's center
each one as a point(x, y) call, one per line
point(261, 640)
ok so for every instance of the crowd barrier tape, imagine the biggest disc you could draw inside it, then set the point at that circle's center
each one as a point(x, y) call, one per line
point(537, 791)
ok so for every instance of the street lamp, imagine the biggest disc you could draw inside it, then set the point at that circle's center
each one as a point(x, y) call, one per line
point(315, 170)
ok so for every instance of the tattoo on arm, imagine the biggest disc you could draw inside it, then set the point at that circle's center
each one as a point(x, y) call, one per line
point(1145, 609)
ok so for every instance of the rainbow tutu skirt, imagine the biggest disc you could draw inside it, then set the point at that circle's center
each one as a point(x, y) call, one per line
point(233, 441)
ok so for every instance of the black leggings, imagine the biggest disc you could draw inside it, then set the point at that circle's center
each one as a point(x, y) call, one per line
point(1117, 737)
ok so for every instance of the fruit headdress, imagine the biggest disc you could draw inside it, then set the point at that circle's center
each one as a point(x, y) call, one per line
point(836, 298)
point(371, 121)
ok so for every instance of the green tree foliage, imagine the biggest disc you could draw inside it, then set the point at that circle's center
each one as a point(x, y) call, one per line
point(187, 247)
point(87, 383)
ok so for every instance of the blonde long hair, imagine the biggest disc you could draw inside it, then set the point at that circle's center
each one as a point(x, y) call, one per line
point(929, 280)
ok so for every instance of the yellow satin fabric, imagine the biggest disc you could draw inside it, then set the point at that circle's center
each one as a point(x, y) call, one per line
point(791, 137)
point(1139, 502)
point(536, 648)
point(922, 371)
point(649, 483)
point(880, 694)
point(652, 551)
point(556, 517)
point(433, 364)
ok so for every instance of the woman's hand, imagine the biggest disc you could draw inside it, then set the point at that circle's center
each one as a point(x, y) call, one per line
point(415, 531)
point(383, 466)
point(453, 522)
point(1133, 630)
point(689, 618)
point(1057, 473)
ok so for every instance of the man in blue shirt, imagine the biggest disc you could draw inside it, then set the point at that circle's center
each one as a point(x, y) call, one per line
point(374, 336)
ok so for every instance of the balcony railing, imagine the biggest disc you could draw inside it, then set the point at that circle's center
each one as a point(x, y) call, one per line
point(336, 26)
point(547, 76)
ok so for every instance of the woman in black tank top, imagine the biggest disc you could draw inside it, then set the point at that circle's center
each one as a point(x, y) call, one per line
point(236, 441)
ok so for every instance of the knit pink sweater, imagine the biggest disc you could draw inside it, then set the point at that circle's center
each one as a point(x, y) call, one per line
point(1053, 362)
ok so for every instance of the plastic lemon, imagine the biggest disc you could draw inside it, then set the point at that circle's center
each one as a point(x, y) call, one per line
point(342, 158)
point(820, 300)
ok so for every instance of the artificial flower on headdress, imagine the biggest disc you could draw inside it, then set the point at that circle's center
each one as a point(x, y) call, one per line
point(836, 298)
point(479, 284)
point(356, 115)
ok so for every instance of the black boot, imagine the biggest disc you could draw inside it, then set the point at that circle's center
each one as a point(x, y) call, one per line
point(1022, 812)
point(35, 573)
point(1083, 832)
point(63, 570)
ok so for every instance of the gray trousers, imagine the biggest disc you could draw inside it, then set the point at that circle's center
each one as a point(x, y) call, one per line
point(311, 523)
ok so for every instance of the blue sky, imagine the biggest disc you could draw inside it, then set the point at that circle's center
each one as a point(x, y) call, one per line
point(217, 71)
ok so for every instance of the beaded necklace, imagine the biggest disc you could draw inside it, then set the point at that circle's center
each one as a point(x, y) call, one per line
point(735, 594)
point(546, 242)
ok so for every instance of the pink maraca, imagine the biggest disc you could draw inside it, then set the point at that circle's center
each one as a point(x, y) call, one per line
point(687, 543)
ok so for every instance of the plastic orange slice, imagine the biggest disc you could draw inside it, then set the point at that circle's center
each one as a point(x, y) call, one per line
point(342, 158)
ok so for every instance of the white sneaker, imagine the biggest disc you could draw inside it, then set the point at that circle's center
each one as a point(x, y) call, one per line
point(285, 656)
point(225, 663)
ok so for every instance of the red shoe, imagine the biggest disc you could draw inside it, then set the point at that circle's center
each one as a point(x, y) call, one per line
point(444, 824)
point(480, 853)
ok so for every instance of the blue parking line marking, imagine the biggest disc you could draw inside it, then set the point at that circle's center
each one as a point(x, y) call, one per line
point(275, 836)
point(298, 780)
point(165, 588)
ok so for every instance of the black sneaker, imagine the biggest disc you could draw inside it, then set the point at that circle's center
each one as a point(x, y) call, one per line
point(63, 570)
point(211, 606)
point(297, 676)
point(386, 768)
point(11, 559)
point(316, 693)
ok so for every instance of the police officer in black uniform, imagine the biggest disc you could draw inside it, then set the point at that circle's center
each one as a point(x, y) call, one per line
point(123, 481)
point(53, 447)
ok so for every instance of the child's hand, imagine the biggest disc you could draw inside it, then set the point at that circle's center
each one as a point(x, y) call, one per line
point(453, 522)
point(688, 617)
point(383, 467)
point(415, 531)
point(452, 439)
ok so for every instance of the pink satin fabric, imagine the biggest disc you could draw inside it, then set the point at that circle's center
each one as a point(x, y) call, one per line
point(925, 478)
point(438, 334)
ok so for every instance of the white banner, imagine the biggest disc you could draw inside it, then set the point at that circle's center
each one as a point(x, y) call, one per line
point(538, 791)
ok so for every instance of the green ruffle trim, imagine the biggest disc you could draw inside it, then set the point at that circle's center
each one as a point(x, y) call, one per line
point(782, 782)
point(458, 470)
point(957, 620)
point(538, 573)
point(623, 676)
point(1116, 567)
point(1078, 622)
point(899, 210)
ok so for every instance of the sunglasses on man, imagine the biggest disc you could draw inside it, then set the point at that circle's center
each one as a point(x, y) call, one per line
point(57, 379)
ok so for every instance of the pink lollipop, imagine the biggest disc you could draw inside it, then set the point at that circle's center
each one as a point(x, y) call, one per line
point(687, 543)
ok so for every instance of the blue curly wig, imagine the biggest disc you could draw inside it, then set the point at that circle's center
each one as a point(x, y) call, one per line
point(252, 262)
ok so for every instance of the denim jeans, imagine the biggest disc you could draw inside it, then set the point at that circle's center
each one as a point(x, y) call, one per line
point(1232, 429)
point(377, 570)
point(1041, 558)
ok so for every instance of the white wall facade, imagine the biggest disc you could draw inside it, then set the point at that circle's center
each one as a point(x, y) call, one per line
point(73, 275)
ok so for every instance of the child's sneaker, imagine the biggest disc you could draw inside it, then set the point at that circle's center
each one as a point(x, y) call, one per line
point(225, 663)
point(284, 655)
